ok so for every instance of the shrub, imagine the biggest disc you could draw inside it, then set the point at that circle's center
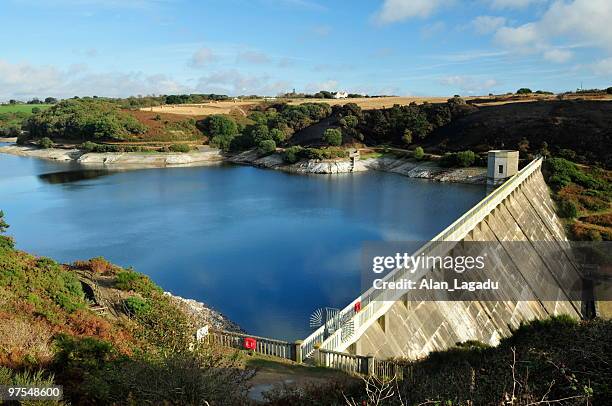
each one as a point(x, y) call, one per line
point(266, 146)
point(418, 153)
point(524, 90)
point(45, 143)
point(567, 209)
point(278, 136)
point(609, 90)
point(136, 306)
point(465, 158)
point(131, 280)
point(88, 146)
point(292, 154)
point(332, 136)
point(407, 137)
point(179, 148)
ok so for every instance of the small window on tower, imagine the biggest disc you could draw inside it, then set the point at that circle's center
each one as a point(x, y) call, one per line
point(501, 169)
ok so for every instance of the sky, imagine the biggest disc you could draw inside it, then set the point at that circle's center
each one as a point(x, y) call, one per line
point(118, 48)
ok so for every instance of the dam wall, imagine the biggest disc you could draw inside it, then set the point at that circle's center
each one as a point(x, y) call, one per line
point(386, 324)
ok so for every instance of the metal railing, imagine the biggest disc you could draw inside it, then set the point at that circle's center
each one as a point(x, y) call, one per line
point(263, 345)
point(365, 365)
point(374, 303)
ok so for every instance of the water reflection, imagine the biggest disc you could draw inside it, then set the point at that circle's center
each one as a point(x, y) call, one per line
point(73, 176)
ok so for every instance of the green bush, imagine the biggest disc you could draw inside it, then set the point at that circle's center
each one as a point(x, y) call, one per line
point(45, 143)
point(567, 209)
point(179, 148)
point(465, 158)
point(418, 153)
point(266, 146)
point(609, 90)
point(524, 90)
point(278, 136)
point(137, 282)
point(292, 154)
point(84, 119)
point(136, 306)
point(407, 137)
point(333, 136)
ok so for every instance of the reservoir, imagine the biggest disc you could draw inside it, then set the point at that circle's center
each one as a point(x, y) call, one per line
point(263, 247)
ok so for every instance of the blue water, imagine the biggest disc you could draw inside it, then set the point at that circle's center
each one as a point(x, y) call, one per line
point(263, 247)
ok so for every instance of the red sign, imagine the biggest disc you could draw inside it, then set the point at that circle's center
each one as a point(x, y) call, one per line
point(250, 343)
point(357, 307)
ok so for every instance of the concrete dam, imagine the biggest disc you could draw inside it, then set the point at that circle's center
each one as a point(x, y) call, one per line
point(519, 218)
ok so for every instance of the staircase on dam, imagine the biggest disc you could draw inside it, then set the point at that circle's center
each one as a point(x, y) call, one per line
point(385, 324)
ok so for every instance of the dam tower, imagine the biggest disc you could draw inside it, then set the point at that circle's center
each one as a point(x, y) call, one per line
point(501, 164)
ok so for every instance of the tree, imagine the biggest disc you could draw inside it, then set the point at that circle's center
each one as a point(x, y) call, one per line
point(266, 146)
point(220, 125)
point(418, 153)
point(465, 158)
point(524, 90)
point(50, 100)
point(609, 90)
point(3, 224)
point(332, 136)
point(349, 121)
point(36, 110)
point(407, 137)
point(278, 136)
point(260, 133)
point(45, 143)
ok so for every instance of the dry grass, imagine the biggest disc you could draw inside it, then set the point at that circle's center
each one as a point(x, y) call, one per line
point(20, 338)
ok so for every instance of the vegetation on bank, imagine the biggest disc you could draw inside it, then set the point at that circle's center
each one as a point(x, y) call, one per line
point(584, 198)
point(141, 350)
point(553, 361)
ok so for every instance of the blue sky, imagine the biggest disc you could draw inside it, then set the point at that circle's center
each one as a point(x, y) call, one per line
point(117, 48)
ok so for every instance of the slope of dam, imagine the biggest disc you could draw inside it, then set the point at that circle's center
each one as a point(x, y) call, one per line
point(529, 241)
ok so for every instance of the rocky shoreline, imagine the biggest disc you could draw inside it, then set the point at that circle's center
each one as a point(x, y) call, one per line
point(210, 156)
point(205, 315)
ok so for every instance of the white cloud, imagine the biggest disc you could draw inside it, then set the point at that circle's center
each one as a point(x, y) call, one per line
point(603, 67)
point(393, 11)
point(501, 4)
point(23, 81)
point(487, 24)
point(329, 85)
point(585, 21)
point(469, 84)
point(202, 57)
point(558, 55)
point(255, 57)
point(432, 30)
point(233, 82)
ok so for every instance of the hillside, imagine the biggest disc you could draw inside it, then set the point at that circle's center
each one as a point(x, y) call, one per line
point(585, 127)
point(105, 333)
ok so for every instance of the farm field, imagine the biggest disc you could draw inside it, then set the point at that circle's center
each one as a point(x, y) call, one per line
point(226, 107)
point(21, 108)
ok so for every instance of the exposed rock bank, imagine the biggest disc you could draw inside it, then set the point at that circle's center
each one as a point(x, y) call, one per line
point(204, 315)
point(209, 156)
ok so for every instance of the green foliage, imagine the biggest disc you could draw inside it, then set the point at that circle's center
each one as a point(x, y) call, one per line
point(609, 90)
point(130, 280)
point(524, 90)
point(567, 209)
point(3, 224)
point(45, 143)
point(292, 154)
point(563, 172)
point(466, 158)
point(266, 146)
point(407, 137)
point(349, 121)
point(462, 159)
point(136, 306)
point(333, 136)
point(84, 119)
point(278, 136)
point(219, 125)
point(179, 148)
point(418, 153)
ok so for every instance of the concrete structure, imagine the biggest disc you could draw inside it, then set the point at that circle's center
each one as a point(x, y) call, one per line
point(386, 325)
point(501, 165)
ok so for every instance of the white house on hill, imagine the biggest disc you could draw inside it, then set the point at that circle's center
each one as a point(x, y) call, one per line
point(340, 95)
